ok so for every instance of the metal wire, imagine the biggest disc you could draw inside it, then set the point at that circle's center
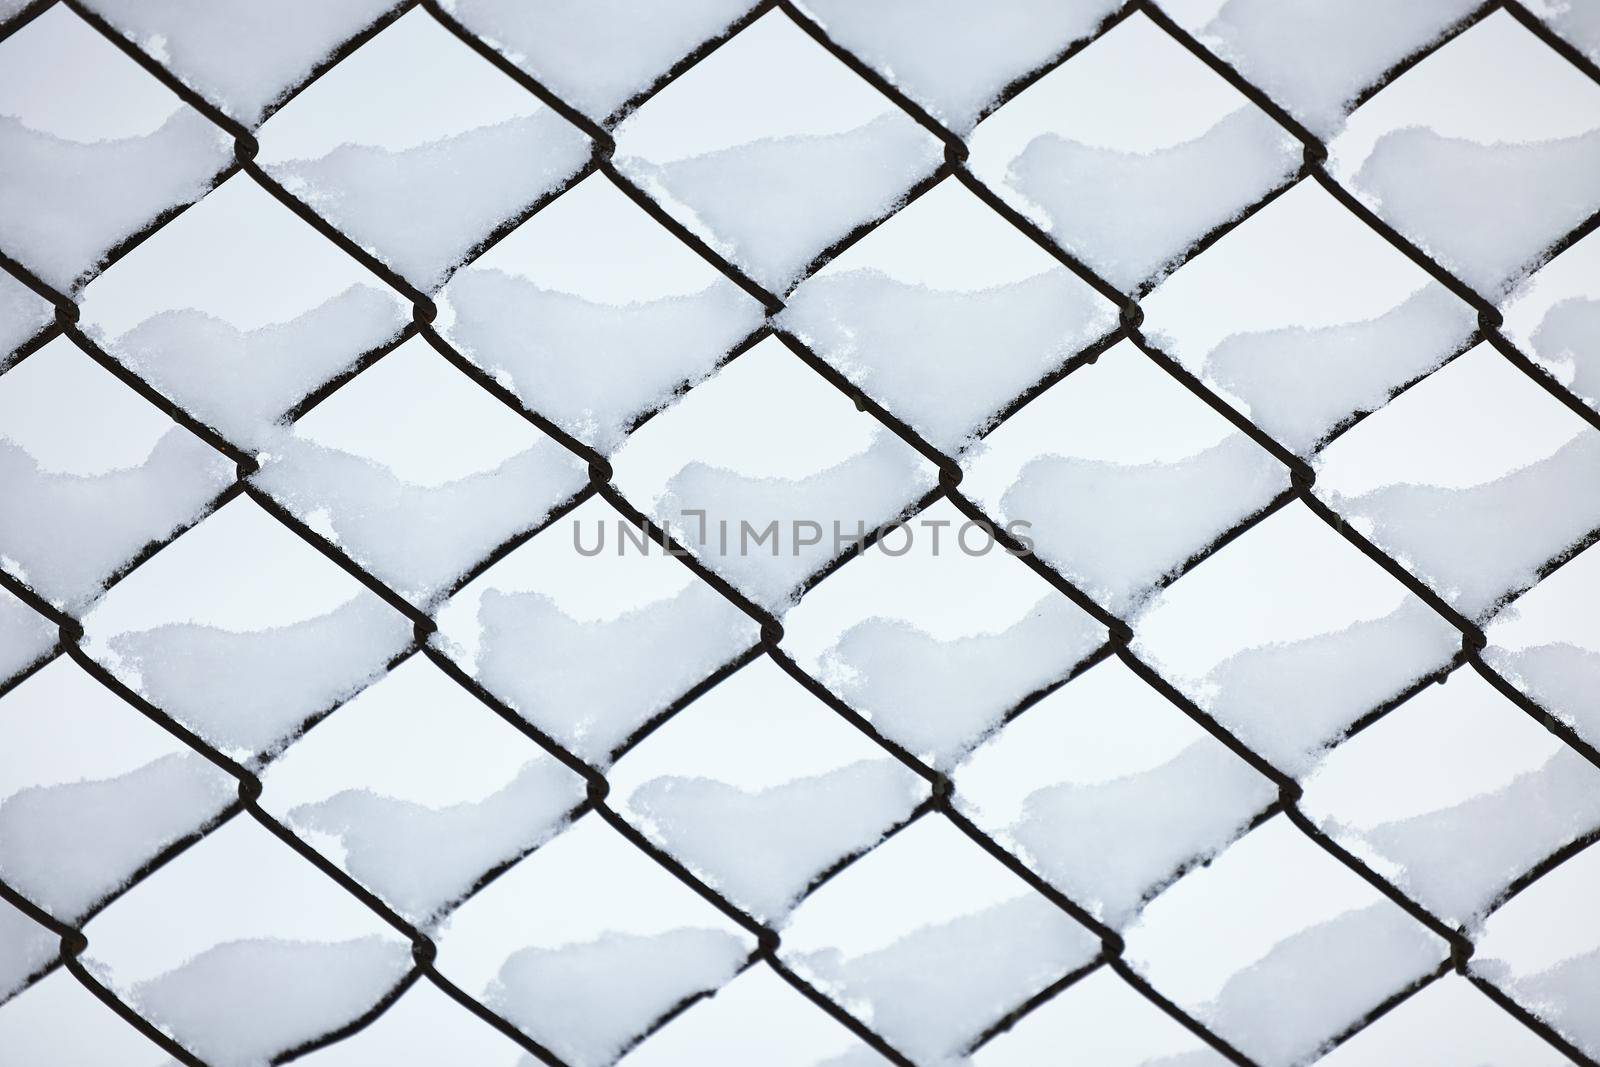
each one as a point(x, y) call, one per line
point(939, 804)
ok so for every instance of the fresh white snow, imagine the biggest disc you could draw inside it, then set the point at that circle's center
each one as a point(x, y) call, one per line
point(98, 157)
point(1562, 996)
point(25, 636)
point(229, 685)
point(239, 1003)
point(77, 820)
point(1469, 204)
point(70, 844)
point(1554, 318)
point(241, 57)
point(930, 941)
point(936, 645)
point(938, 697)
point(205, 638)
point(861, 490)
point(424, 1025)
point(242, 950)
point(944, 314)
point(62, 216)
point(1101, 1020)
point(1465, 156)
point(428, 133)
point(365, 503)
point(1277, 947)
point(1180, 154)
point(1542, 950)
point(92, 473)
point(416, 472)
point(238, 381)
point(1315, 57)
point(1122, 474)
point(23, 313)
point(588, 1000)
point(237, 309)
point(1450, 1022)
point(1455, 794)
point(1108, 791)
point(1576, 21)
point(1563, 338)
point(952, 58)
point(766, 442)
point(1086, 191)
point(1225, 482)
point(1285, 671)
point(565, 674)
point(418, 790)
point(1548, 643)
point(1519, 522)
point(748, 198)
point(483, 176)
point(759, 787)
point(1333, 371)
point(1493, 495)
point(695, 817)
point(1558, 675)
point(748, 179)
point(562, 636)
point(26, 948)
point(756, 1018)
point(384, 837)
point(586, 943)
point(596, 55)
point(1303, 317)
point(594, 367)
point(594, 314)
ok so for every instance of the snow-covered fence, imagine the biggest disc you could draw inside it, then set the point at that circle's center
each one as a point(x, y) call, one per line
point(328, 329)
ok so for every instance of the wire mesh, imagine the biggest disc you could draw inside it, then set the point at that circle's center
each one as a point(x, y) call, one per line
point(600, 485)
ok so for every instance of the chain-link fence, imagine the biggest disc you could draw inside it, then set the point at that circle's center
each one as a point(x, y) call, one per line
point(939, 804)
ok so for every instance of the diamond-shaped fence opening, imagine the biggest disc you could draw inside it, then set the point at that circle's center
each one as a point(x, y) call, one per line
point(389, 393)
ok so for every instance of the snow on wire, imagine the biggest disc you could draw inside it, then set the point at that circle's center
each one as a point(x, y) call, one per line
point(1089, 274)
